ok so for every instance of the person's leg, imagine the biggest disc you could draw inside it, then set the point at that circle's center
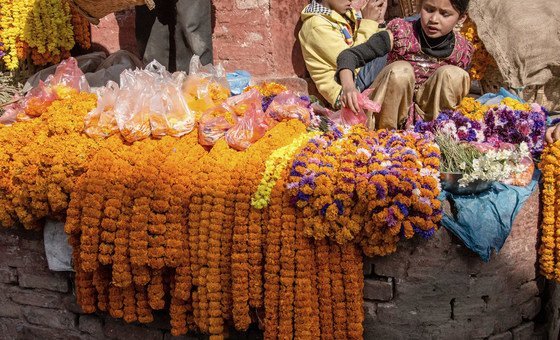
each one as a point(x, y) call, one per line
point(194, 32)
point(154, 30)
point(393, 89)
point(369, 72)
point(445, 89)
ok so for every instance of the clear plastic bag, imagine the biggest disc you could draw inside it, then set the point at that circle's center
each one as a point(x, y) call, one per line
point(170, 114)
point(249, 129)
point(287, 105)
point(70, 75)
point(214, 124)
point(205, 87)
point(37, 100)
point(101, 121)
point(132, 113)
point(350, 118)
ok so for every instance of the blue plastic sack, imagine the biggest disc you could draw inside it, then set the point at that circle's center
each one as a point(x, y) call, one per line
point(238, 81)
point(496, 98)
point(483, 222)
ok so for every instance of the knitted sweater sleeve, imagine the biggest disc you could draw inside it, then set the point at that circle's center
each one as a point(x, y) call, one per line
point(376, 46)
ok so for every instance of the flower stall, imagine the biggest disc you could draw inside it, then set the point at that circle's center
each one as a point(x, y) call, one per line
point(229, 212)
point(235, 210)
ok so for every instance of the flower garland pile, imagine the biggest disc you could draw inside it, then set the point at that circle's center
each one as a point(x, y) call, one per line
point(371, 187)
point(45, 30)
point(167, 224)
point(274, 166)
point(41, 160)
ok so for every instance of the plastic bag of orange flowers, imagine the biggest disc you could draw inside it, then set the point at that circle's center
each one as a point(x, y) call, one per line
point(67, 78)
point(288, 105)
point(132, 113)
point(169, 114)
point(205, 87)
point(101, 121)
point(70, 75)
point(250, 128)
point(214, 124)
point(216, 121)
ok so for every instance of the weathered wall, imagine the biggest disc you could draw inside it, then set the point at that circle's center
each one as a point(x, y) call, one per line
point(439, 289)
point(255, 35)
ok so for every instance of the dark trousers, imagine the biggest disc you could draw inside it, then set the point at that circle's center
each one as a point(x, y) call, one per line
point(174, 31)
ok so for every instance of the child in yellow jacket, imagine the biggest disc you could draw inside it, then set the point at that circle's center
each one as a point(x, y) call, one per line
point(331, 26)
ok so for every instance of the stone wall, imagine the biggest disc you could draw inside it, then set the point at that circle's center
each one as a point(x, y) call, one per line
point(439, 289)
point(36, 303)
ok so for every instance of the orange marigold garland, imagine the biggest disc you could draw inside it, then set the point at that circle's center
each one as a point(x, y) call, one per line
point(255, 250)
point(324, 287)
point(338, 296)
point(101, 281)
point(156, 292)
point(128, 296)
point(306, 325)
point(111, 213)
point(272, 260)
point(287, 270)
point(232, 176)
point(353, 288)
point(116, 304)
point(143, 310)
point(81, 26)
point(122, 271)
point(239, 255)
point(550, 240)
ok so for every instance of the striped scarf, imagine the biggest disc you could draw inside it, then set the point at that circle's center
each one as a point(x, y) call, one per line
point(317, 8)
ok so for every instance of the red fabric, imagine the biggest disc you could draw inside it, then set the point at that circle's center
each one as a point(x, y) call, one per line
point(406, 46)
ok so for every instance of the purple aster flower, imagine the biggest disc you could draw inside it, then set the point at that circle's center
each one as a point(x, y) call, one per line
point(339, 206)
point(302, 197)
point(265, 103)
point(402, 208)
point(425, 234)
point(324, 209)
point(391, 219)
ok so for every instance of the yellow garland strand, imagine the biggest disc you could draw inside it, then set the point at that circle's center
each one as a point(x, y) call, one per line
point(274, 165)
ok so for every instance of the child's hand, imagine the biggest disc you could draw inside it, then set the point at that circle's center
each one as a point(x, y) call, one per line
point(349, 94)
point(375, 10)
point(553, 134)
point(349, 98)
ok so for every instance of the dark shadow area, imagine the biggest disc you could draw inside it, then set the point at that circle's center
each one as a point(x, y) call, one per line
point(95, 47)
point(127, 25)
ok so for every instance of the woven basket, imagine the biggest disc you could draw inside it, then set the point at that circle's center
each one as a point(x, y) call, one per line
point(408, 7)
point(94, 10)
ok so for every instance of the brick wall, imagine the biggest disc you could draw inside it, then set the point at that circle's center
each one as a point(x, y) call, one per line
point(36, 303)
point(256, 35)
